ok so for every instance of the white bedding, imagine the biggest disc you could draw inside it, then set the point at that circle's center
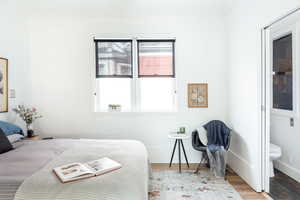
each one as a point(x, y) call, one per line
point(128, 183)
point(29, 157)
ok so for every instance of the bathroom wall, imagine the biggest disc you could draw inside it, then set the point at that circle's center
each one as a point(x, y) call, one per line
point(287, 137)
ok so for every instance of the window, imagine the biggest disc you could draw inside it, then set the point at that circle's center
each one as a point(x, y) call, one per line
point(114, 91)
point(156, 58)
point(157, 94)
point(156, 73)
point(283, 73)
point(114, 58)
point(138, 75)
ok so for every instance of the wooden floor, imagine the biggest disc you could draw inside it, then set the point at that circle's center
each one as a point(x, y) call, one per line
point(283, 187)
point(239, 184)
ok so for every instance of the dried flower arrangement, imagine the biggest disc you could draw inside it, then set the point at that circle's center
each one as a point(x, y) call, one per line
point(29, 115)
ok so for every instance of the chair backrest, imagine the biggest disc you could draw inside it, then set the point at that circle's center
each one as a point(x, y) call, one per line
point(196, 142)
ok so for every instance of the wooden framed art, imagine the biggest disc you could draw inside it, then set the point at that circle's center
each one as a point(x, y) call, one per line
point(197, 95)
point(3, 85)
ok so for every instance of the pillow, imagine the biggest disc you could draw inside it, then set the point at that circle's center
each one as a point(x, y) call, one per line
point(202, 135)
point(9, 128)
point(14, 138)
point(5, 145)
point(17, 144)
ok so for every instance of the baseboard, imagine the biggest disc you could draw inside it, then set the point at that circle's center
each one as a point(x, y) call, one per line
point(288, 170)
point(267, 196)
point(244, 169)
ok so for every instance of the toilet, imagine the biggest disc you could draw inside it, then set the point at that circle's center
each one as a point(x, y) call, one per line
point(275, 153)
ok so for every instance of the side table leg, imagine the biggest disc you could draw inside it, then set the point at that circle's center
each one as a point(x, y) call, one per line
point(179, 155)
point(187, 162)
point(173, 153)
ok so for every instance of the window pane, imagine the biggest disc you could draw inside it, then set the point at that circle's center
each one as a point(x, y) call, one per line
point(157, 94)
point(283, 73)
point(114, 58)
point(156, 58)
point(114, 91)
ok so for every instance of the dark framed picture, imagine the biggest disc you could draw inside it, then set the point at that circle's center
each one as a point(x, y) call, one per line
point(197, 95)
point(3, 85)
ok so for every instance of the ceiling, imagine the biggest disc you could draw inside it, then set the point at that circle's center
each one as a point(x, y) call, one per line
point(122, 8)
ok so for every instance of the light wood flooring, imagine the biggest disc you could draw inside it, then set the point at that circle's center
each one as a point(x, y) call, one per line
point(237, 182)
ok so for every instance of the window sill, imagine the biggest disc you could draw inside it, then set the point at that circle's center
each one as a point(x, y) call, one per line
point(136, 112)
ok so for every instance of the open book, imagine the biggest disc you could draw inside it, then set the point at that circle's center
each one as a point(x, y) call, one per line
point(77, 171)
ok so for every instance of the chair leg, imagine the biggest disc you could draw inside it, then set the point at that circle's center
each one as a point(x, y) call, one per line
point(225, 177)
point(206, 159)
point(199, 165)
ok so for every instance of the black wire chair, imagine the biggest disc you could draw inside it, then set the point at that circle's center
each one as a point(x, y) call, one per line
point(199, 146)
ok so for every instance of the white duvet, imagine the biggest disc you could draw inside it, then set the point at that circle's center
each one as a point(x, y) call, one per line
point(128, 183)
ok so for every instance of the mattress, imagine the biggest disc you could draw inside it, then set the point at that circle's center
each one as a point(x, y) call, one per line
point(8, 189)
point(30, 157)
point(25, 159)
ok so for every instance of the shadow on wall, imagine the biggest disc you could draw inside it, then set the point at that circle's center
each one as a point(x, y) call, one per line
point(238, 146)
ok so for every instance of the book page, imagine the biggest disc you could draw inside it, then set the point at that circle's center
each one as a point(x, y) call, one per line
point(103, 165)
point(73, 170)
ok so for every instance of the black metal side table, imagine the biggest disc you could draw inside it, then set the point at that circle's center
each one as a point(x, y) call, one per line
point(178, 141)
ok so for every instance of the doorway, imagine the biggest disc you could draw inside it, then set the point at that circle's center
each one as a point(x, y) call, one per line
point(280, 107)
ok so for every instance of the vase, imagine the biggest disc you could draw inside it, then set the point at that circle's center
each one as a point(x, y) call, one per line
point(30, 132)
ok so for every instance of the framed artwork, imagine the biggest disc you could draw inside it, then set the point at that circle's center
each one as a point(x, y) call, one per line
point(197, 95)
point(3, 85)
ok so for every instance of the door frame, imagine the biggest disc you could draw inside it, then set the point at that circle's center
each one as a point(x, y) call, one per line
point(265, 98)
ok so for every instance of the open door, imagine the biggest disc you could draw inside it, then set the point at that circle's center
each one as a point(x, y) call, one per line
point(280, 80)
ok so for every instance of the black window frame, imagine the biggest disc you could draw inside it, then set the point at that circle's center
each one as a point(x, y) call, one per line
point(97, 41)
point(173, 58)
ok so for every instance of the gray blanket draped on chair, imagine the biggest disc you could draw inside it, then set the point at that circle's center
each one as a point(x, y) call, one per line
point(218, 136)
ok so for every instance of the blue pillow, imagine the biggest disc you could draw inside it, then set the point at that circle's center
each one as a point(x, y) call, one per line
point(10, 129)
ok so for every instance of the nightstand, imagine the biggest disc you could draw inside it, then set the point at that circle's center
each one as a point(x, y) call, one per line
point(36, 137)
point(178, 141)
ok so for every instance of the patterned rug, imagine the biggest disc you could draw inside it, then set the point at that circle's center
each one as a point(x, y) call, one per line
point(171, 185)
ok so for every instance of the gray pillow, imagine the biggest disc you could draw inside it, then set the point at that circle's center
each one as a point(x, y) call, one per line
point(5, 145)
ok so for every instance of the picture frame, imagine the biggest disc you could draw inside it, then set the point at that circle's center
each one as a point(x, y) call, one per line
point(3, 85)
point(198, 95)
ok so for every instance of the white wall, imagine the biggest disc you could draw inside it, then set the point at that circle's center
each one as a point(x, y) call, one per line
point(208, 50)
point(62, 71)
point(287, 137)
point(13, 47)
point(244, 24)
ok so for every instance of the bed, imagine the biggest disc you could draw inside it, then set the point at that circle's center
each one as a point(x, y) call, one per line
point(26, 172)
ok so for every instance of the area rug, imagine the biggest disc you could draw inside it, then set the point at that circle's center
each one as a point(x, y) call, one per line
point(172, 185)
